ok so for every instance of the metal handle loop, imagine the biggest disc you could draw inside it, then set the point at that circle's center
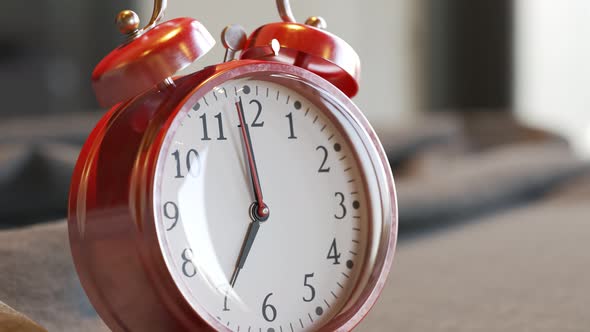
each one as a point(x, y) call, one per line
point(157, 14)
point(284, 7)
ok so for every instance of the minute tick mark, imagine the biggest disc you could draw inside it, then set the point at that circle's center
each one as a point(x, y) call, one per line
point(319, 311)
point(349, 264)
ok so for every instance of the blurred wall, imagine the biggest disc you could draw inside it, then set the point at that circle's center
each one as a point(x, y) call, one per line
point(552, 50)
point(48, 50)
point(469, 57)
point(383, 32)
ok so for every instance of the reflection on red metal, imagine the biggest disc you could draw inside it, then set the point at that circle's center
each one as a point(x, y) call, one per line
point(311, 48)
point(142, 63)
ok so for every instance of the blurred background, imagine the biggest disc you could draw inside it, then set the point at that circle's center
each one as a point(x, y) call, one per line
point(523, 56)
point(483, 108)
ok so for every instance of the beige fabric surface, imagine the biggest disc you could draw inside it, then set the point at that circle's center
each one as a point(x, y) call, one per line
point(13, 321)
point(38, 279)
point(526, 269)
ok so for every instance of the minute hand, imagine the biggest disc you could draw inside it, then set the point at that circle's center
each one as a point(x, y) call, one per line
point(261, 209)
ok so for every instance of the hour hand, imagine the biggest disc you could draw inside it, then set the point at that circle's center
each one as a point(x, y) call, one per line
point(246, 246)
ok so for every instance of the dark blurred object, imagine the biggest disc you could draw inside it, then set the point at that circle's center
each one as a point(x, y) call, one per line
point(470, 55)
point(497, 162)
point(48, 50)
point(37, 155)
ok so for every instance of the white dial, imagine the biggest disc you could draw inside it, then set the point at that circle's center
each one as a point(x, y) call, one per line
point(306, 259)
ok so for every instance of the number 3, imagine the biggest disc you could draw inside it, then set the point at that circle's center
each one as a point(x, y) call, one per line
point(341, 205)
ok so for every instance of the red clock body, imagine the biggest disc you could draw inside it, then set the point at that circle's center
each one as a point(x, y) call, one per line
point(162, 224)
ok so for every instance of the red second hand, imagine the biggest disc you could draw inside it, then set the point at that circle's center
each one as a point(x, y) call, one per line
point(262, 210)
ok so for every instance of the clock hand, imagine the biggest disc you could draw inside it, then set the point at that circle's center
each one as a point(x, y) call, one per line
point(246, 246)
point(260, 209)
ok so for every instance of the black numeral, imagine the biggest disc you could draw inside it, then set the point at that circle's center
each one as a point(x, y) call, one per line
point(188, 268)
point(333, 253)
point(221, 136)
point(291, 130)
point(171, 212)
point(192, 163)
point(205, 134)
point(176, 155)
point(220, 126)
point(323, 168)
point(311, 289)
point(266, 308)
point(256, 122)
point(225, 308)
point(342, 207)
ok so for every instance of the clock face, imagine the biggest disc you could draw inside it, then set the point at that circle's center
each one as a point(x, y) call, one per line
point(305, 262)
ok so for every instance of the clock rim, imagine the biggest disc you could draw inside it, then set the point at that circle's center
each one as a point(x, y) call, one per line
point(242, 68)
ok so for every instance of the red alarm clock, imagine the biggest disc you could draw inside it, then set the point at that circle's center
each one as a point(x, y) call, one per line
point(252, 195)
